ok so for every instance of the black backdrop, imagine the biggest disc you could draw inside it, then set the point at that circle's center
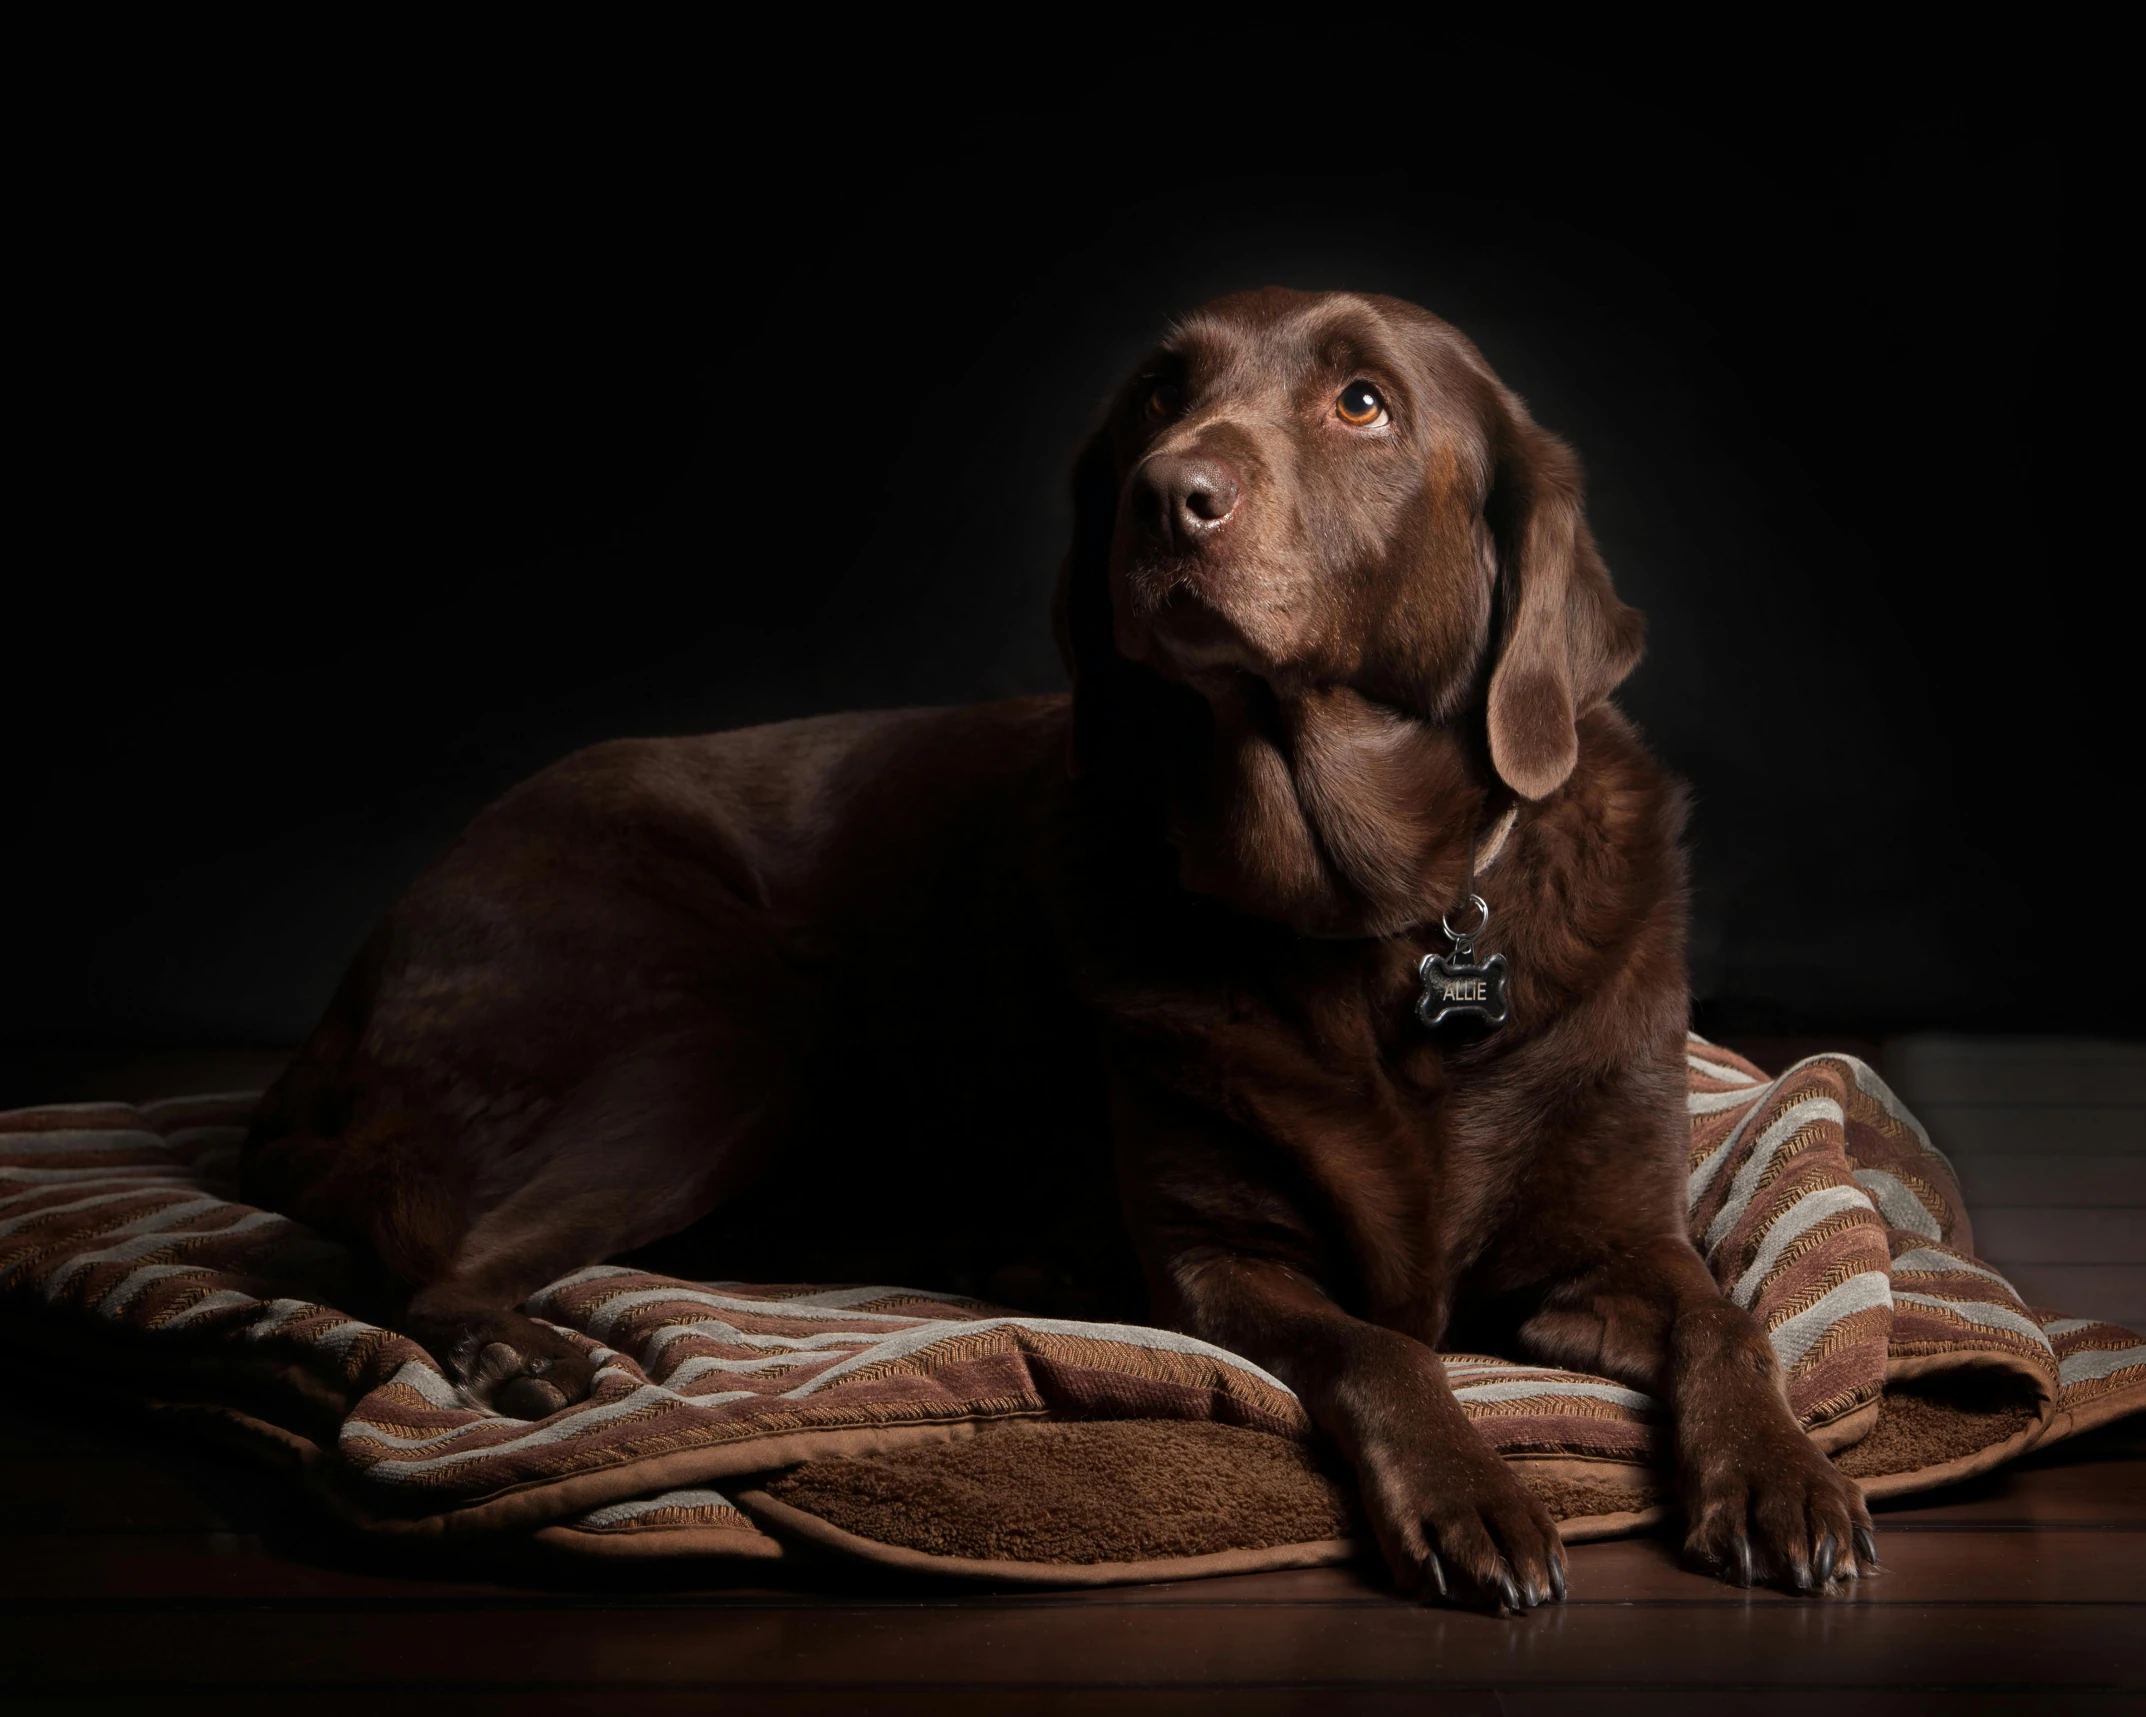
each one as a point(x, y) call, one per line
point(381, 453)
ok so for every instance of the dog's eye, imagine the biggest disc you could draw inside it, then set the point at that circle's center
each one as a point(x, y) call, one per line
point(1162, 400)
point(1360, 404)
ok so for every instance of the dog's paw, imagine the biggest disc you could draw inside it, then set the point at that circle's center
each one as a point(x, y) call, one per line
point(1773, 1509)
point(507, 1363)
point(1456, 1525)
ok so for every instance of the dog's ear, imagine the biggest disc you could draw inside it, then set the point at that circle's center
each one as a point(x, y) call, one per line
point(1564, 639)
point(1080, 615)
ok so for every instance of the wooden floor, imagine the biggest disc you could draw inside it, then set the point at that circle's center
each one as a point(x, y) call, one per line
point(2049, 1137)
point(141, 1576)
point(133, 1575)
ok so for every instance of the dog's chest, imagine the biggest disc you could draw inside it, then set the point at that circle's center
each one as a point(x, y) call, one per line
point(1430, 1177)
point(1467, 1151)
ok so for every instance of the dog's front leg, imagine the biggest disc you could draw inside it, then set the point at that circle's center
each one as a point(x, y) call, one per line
point(1761, 1501)
point(1448, 1512)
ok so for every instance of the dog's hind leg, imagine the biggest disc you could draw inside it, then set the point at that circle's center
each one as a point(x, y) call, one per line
point(643, 1146)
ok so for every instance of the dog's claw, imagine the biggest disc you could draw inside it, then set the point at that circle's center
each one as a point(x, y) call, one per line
point(1557, 1578)
point(1822, 1559)
point(1438, 1575)
point(1866, 1549)
point(1740, 1550)
point(1509, 1594)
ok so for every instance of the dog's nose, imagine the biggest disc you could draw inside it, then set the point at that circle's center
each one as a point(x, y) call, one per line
point(1182, 498)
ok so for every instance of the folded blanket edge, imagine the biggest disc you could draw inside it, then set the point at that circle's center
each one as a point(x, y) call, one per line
point(795, 1525)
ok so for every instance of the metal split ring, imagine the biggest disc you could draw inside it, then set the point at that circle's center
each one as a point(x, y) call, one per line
point(1482, 906)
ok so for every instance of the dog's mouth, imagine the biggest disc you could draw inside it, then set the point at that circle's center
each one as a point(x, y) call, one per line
point(1163, 616)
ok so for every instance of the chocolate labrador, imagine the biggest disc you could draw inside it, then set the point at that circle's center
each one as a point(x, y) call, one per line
point(981, 992)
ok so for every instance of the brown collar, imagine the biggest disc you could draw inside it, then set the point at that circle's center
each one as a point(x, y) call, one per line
point(1493, 842)
point(1487, 848)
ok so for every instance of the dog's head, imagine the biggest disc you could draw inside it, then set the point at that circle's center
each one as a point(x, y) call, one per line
point(1327, 490)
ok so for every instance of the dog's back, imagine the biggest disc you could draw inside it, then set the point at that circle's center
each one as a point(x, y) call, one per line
point(805, 968)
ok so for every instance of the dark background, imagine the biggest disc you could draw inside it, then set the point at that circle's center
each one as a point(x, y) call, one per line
point(384, 447)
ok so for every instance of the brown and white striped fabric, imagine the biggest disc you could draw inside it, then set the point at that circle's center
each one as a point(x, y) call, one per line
point(129, 1274)
point(1823, 1207)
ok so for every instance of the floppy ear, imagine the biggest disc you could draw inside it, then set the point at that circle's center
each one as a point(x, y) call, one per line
point(1080, 616)
point(1566, 639)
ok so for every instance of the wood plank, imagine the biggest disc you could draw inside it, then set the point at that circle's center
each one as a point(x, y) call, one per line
point(121, 1573)
point(2055, 1234)
point(1309, 1700)
point(1994, 1567)
point(1778, 1054)
point(981, 1644)
point(2051, 1494)
point(881, 1701)
point(1306, 1700)
point(2035, 1129)
point(1930, 1068)
point(1948, 1698)
point(2116, 1292)
point(207, 1568)
point(2073, 1560)
point(2030, 1607)
point(2031, 1178)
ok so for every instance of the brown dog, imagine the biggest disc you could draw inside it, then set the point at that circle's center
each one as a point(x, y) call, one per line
point(876, 996)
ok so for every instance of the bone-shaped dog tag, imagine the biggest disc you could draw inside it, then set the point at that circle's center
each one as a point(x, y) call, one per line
point(1461, 988)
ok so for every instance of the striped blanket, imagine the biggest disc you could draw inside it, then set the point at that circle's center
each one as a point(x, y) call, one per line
point(923, 1431)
